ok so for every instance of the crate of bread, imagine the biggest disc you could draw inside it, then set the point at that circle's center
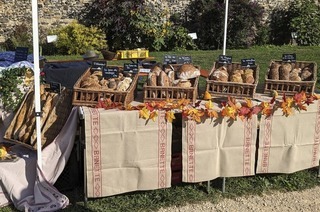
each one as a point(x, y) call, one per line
point(232, 79)
point(55, 110)
point(290, 77)
point(92, 86)
point(176, 81)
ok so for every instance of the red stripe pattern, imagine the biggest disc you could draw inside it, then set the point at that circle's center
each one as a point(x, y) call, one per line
point(162, 149)
point(315, 150)
point(266, 144)
point(191, 132)
point(96, 152)
point(247, 147)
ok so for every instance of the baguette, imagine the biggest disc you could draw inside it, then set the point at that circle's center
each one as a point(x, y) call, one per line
point(18, 121)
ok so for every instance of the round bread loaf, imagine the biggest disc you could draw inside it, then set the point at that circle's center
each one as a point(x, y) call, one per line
point(188, 71)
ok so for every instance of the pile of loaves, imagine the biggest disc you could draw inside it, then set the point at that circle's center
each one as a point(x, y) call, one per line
point(285, 71)
point(221, 74)
point(96, 81)
point(167, 76)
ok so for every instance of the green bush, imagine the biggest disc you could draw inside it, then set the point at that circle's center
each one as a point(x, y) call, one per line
point(21, 36)
point(305, 21)
point(135, 24)
point(76, 38)
point(11, 94)
point(301, 16)
point(206, 18)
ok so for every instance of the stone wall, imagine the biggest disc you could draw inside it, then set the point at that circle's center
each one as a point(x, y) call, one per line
point(60, 12)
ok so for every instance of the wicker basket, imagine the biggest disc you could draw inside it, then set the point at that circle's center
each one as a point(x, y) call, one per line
point(90, 97)
point(232, 89)
point(292, 87)
point(160, 93)
point(52, 122)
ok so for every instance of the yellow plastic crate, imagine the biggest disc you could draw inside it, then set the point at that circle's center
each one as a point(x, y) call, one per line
point(132, 54)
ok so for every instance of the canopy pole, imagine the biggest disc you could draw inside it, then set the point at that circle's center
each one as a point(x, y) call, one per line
point(225, 27)
point(36, 71)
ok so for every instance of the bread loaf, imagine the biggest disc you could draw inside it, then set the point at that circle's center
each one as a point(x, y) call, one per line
point(284, 71)
point(220, 74)
point(124, 84)
point(248, 76)
point(184, 84)
point(152, 79)
point(171, 77)
point(156, 69)
point(306, 74)
point(274, 71)
point(237, 76)
point(188, 71)
point(163, 79)
point(294, 74)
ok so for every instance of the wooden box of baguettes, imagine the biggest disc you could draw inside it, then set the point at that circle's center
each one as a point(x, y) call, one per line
point(232, 80)
point(55, 110)
point(92, 87)
point(175, 81)
point(291, 77)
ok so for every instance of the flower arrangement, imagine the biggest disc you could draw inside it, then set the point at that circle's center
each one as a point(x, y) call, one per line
point(231, 108)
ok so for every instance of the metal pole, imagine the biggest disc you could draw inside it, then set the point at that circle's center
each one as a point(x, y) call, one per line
point(36, 71)
point(224, 53)
point(225, 27)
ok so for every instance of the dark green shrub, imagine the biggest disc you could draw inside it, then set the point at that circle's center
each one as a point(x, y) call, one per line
point(206, 18)
point(135, 24)
point(21, 36)
point(302, 17)
point(305, 21)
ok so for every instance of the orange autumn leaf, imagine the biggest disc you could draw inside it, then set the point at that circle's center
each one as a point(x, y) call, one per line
point(212, 114)
point(266, 108)
point(144, 113)
point(209, 105)
point(170, 116)
point(153, 115)
point(229, 111)
point(249, 103)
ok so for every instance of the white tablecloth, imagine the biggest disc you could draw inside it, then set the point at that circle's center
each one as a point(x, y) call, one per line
point(124, 153)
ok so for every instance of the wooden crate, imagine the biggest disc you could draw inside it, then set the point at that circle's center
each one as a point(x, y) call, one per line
point(90, 97)
point(160, 93)
point(52, 120)
point(232, 89)
point(291, 87)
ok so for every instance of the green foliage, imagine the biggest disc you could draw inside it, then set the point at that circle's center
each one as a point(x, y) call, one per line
point(76, 38)
point(11, 95)
point(136, 24)
point(206, 18)
point(20, 37)
point(305, 21)
point(303, 17)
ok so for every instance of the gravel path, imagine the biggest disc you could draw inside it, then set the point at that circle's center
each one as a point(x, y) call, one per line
point(304, 201)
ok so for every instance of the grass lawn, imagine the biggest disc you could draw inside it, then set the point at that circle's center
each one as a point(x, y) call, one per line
point(192, 193)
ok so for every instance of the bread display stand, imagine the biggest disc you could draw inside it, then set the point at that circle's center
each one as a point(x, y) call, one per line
point(290, 87)
point(160, 93)
point(233, 89)
point(91, 96)
point(55, 110)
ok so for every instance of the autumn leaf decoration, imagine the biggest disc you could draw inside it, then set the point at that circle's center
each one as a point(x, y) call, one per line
point(200, 110)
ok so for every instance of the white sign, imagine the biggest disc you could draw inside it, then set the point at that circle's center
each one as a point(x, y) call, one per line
point(52, 38)
point(193, 35)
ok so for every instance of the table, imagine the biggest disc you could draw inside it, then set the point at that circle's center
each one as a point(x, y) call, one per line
point(124, 153)
point(121, 147)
